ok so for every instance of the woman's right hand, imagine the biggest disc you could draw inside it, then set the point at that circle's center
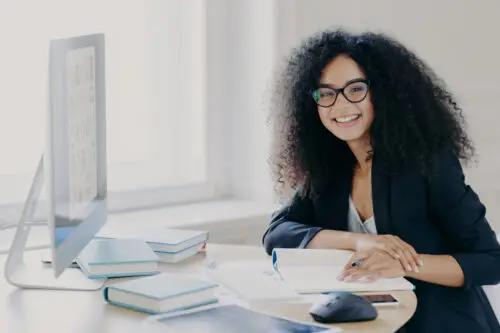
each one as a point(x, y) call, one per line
point(392, 245)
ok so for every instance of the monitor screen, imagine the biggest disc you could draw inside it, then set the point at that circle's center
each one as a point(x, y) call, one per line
point(81, 188)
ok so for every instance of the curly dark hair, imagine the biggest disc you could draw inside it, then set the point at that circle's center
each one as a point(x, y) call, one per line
point(415, 114)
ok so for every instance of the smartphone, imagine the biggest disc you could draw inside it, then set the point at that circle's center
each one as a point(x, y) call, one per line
point(381, 299)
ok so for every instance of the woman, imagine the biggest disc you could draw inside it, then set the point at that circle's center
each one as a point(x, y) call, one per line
point(370, 140)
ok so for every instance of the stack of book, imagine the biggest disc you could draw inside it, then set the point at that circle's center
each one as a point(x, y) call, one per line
point(113, 258)
point(170, 245)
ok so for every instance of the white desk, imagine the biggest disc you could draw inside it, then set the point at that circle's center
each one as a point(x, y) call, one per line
point(45, 311)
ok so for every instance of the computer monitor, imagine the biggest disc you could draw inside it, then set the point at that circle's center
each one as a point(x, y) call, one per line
point(73, 166)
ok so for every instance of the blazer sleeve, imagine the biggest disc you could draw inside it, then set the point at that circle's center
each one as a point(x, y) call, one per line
point(463, 219)
point(293, 226)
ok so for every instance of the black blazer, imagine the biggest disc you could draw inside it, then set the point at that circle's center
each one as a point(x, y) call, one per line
point(439, 214)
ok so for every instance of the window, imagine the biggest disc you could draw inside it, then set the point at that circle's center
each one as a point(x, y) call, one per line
point(156, 93)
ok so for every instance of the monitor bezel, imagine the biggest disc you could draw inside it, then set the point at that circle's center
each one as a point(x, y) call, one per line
point(93, 219)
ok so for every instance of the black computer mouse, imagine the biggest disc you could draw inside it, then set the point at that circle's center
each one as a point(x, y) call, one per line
point(342, 307)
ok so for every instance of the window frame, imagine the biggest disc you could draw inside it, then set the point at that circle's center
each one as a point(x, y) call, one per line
point(214, 188)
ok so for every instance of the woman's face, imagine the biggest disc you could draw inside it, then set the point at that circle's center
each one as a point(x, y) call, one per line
point(348, 121)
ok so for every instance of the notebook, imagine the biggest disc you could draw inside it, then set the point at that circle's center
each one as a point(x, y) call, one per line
point(166, 240)
point(107, 258)
point(316, 271)
point(161, 293)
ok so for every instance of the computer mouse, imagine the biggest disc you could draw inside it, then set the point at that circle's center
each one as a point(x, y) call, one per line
point(342, 307)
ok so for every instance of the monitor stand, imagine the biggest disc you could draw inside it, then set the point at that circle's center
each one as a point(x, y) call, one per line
point(33, 275)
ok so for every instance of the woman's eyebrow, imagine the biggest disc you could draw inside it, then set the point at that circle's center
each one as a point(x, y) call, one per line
point(328, 85)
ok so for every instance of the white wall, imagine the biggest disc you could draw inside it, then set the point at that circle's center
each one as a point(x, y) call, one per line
point(241, 48)
point(253, 36)
point(457, 38)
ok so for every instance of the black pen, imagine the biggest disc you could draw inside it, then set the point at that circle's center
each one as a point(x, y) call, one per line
point(357, 263)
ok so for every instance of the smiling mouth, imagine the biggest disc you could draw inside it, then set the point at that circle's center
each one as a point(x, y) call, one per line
point(347, 119)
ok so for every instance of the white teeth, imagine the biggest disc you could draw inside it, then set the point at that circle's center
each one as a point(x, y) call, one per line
point(347, 119)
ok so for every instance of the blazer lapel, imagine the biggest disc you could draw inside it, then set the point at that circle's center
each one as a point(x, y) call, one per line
point(381, 181)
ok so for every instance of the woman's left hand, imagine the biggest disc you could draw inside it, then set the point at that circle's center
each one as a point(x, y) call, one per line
point(375, 264)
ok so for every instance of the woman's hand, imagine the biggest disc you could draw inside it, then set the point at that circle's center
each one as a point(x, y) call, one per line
point(374, 264)
point(393, 246)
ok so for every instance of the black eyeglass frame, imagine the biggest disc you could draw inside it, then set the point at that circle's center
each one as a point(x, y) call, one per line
point(340, 91)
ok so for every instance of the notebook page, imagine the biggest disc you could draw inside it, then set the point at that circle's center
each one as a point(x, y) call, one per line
point(252, 281)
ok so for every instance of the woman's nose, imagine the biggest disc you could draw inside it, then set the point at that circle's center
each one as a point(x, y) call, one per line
point(341, 100)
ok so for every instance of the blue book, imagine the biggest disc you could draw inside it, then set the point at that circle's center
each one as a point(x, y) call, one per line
point(107, 258)
point(163, 293)
point(165, 240)
point(175, 257)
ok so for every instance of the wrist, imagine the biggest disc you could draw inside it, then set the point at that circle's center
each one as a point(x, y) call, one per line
point(414, 274)
point(408, 274)
point(353, 239)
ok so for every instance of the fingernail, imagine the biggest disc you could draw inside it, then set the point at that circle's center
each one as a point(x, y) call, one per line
point(408, 268)
point(340, 277)
point(421, 262)
point(397, 256)
point(348, 278)
point(416, 269)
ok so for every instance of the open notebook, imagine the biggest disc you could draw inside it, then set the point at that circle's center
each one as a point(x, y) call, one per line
point(315, 271)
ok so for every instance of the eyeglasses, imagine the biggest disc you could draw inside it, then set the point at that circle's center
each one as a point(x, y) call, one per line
point(355, 92)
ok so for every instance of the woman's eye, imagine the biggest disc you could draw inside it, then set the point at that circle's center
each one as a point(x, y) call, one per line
point(357, 88)
point(326, 93)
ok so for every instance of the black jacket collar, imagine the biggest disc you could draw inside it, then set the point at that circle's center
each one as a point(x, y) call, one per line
point(336, 199)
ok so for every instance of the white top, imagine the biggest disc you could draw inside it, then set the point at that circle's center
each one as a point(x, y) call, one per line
point(356, 225)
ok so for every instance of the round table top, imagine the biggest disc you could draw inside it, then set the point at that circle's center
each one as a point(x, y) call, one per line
point(30, 311)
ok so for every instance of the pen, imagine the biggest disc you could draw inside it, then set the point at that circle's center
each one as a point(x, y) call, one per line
point(356, 263)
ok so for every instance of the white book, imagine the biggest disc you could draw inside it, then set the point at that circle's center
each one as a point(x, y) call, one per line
point(316, 270)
